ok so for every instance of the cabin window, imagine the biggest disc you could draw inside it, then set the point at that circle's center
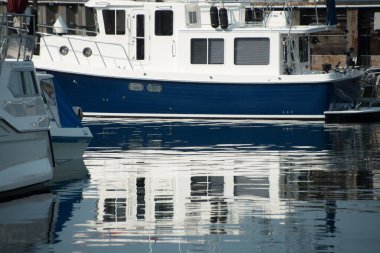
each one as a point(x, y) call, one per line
point(207, 51)
point(23, 83)
point(251, 51)
point(215, 51)
point(164, 23)
point(253, 15)
point(198, 51)
point(140, 37)
point(304, 49)
point(114, 21)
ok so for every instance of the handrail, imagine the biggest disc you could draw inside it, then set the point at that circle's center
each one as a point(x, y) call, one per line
point(76, 57)
point(17, 30)
point(47, 48)
point(70, 39)
point(369, 79)
point(83, 31)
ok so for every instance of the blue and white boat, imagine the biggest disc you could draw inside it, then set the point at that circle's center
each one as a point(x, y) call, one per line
point(196, 59)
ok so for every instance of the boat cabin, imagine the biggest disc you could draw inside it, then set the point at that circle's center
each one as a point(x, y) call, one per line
point(189, 37)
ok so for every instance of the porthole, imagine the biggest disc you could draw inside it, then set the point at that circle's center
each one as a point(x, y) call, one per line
point(87, 52)
point(154, 87)
point(63, 50)
point(136, 86)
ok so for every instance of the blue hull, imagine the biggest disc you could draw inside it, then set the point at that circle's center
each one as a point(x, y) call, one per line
point(116, 96)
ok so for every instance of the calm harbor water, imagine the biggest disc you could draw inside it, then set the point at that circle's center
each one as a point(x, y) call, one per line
point(207, 186)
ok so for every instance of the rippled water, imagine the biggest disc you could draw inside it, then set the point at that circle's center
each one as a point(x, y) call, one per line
point(207, 186)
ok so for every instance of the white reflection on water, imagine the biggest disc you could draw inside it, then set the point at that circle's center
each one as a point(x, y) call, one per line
point(221, 186)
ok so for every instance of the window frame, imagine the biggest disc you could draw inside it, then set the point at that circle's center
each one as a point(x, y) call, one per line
point(26, 85)
point(236, 52)
point(113, 27)
point(207, 56)
point(161, 26)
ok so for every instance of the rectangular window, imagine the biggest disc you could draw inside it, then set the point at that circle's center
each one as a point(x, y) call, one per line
point(23, 84)
point(15, 84)
point(164, 23)
point(120, 22)
point(140, 51)
point(304, 49)
point(198, 51)
point(251, 51)
point(114, 21)
point(140, 37)
point(215, 51)
point(207, 51)
point(140, 27)
point(109, 21)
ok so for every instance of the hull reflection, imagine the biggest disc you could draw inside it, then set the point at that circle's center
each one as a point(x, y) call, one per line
point(25, 222)
point(178, 182)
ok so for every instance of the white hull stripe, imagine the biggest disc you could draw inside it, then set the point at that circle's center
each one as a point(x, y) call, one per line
point(205, 116)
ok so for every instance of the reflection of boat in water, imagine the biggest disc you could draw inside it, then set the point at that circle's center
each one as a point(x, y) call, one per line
point(173, 193)
point(69, 137)
point(33, 223)
point(191, 134)
point(67, 184)
point(187, 178)
point(25, 147)
point(69, 171)
point(162, 181)
point(174, 59)
point(25, 222)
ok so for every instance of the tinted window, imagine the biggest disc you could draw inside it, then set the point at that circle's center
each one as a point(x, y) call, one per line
point(114, 21)
point(140, 37)
point(120, 22)
point(23, 84)
point(215, 51)
point(109, 21)
point(251, 51)
point(207, 51)
point(198, 51)
point(164, 23)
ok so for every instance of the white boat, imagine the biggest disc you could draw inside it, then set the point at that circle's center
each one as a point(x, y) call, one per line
point(70, 138)
point(25, 146)
point(196, 59)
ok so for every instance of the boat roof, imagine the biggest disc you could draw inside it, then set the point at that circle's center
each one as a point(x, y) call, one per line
point(282, 29)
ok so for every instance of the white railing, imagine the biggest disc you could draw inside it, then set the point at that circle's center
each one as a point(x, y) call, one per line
point(72, 40)
point(17, 36)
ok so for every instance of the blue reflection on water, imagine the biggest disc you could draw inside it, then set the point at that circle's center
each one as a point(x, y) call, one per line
point(209, 134)
point(211, 186)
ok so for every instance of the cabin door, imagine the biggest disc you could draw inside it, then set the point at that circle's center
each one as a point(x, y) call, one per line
point(139, 36)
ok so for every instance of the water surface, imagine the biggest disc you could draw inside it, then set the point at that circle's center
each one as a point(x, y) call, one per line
point(207, 186)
